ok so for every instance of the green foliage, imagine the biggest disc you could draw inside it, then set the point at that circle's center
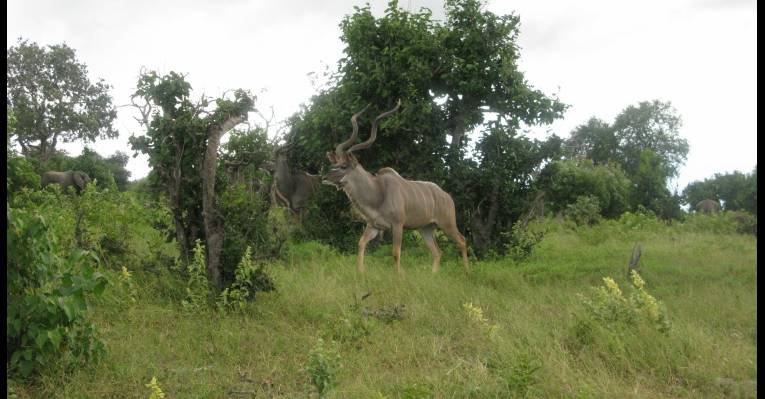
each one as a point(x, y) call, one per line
point(176, 142)
point(643, 141)
point(448, 75)
point(565, 181)
point(20, 173)
point(322, 367)
point(247, 280)
point(494, 193)
point(250, 223)
point(197, 288)
point(520, 377)
point(737, 191)
point(521, 240)
point(584, 211)
point(156, 390)
point(608, 305)
point(54, 100)
point(47, 298)
point(732, 222)
point(475, 313)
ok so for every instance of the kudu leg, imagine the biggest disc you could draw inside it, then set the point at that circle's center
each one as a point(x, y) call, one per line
point(398, 235)
point(427, 236)
point(455, 235)
point(369, 234)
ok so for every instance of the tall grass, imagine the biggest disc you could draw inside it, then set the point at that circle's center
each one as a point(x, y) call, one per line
point(533, 337)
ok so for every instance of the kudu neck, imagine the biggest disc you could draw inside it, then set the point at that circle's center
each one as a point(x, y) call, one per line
point(363, 187)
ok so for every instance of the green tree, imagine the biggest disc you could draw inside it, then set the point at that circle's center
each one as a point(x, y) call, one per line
point(650, 126)
point(736, 191)
point(54, 100)
point(182, 141)
point(594, 140)
point(117, 164)
point(565, 181)
point(449, 76)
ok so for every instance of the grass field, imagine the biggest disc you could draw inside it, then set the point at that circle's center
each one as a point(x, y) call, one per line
point(415, 337)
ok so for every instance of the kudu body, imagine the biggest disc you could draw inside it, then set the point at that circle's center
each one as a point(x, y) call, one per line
point(291, 188)
point(388, 201)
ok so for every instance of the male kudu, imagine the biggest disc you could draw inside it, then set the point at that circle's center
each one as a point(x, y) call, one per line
point(388, 201)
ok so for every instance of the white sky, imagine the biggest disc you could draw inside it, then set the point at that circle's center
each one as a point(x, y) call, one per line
point(599, 56)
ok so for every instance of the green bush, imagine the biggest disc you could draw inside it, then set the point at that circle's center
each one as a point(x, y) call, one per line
point(47, 299)
point(248, 280)
point(521, 240)
point(728, 222)
point(584, 211)
point(20, 173)
point(609, 306)
point(566, 181)
point(248, 222)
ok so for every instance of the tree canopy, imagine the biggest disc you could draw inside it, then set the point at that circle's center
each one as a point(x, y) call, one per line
point(53, 99)
point(451, 77)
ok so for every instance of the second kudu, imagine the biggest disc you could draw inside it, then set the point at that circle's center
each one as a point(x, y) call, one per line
point(388, 201)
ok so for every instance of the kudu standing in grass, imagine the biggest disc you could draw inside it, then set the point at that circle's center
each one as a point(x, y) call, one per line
point(388, 201)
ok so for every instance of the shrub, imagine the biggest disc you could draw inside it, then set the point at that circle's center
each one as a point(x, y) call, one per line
point(609, 306)
point(248, 279)
point(521, 240)
point(20, 173)
point(584, 211)
point(732, 222)
point(322, 366)
point(47, 298)
point(197, 286)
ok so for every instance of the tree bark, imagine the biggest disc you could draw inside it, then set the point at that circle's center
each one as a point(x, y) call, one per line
point(213, 224)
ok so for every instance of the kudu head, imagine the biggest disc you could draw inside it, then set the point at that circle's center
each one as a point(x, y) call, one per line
point(279, 158)
point(343, 162)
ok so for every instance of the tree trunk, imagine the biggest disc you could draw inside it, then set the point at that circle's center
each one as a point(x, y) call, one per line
point(483, 228)
point(212, 221)
point(173, 191)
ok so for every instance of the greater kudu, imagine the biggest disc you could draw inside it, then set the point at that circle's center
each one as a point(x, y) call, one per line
point(292, 188)
point(388, 201)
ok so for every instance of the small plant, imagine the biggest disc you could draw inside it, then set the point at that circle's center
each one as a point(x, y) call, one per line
point(156, 390)
point(645, 303)
point(476, 314)
point(197, 288)
point(521, 376)
point(322, 366)
point(126, 278)
point(235, 297)
point(608, 305)
point(521, 240)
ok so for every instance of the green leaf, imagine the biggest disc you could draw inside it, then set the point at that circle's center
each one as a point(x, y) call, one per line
point(55, 337)
point(40, 339)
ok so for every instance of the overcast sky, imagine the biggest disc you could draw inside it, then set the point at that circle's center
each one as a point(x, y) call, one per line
point(597, 56)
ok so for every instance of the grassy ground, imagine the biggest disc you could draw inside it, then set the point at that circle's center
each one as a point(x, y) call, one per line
point(419, 341)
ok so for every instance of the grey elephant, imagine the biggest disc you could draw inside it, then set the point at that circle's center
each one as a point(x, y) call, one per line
point(708, 206)
point(76, 178)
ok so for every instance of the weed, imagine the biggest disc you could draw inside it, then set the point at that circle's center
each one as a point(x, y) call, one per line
point(322, 366)
point(197, 286)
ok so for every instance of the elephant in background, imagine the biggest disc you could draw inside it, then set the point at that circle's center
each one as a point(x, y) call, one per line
point(75, 178)
point(708, 206)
